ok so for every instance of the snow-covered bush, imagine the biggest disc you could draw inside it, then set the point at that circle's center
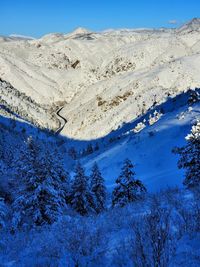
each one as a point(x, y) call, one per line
point(155, 117)
point(181, 116)
point(139, 127)
point(193, 97)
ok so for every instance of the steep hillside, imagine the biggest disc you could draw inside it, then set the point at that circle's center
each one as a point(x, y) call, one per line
point(15, 103)
point(148, 142)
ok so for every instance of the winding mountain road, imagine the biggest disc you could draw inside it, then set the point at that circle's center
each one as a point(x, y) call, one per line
point(62, 120)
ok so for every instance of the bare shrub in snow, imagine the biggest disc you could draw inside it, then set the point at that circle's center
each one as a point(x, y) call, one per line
point(154, 242)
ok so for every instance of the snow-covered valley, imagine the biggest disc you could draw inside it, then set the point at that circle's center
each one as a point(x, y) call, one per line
point(106, 81)
point(106, 78)
point(83, 117)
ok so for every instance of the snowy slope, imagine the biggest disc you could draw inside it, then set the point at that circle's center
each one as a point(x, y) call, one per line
point(104, 79)
point(151, 148)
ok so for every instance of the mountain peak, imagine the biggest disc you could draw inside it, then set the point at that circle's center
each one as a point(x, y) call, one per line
point(81, 30)
point(192, 25)
point(195, 20)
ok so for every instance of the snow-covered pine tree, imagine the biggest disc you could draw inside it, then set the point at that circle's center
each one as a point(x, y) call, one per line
point(190, 157)
point(6, 153)
point(3, 181)
point(89, 149)
point(1, 145)
point(98, 189)
point(128, 189)
point(96, 147)
point(73, 153)
point(59, 171)
point(2, 168)
point(40, 198)
point(82, 199)
point(6, 159)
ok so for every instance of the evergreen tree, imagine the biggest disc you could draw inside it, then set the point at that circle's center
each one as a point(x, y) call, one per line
point(98, 189)
point(128, 189)
point(96, 147)
point(89, 149)
point(3, 212)
point(6, 153)
point(59, 171)
point(82, 200)
point(4, 182)
point(73, 153)
point(40, 198)
point(190, 157)
point(1, 145)
point(6, 159)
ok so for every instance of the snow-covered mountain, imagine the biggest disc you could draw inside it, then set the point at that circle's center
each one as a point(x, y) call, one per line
point(103, 79)
point(191, 26)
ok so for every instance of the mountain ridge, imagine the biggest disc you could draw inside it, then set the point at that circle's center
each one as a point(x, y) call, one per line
point(105, 78)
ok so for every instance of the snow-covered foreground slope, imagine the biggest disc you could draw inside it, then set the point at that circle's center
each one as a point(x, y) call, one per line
point(110, 239)
point(102, 79)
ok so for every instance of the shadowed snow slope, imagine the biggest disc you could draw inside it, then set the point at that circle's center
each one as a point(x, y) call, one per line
point(151, 148)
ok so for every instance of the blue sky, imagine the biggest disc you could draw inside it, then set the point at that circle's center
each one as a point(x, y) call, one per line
point(38, 17)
